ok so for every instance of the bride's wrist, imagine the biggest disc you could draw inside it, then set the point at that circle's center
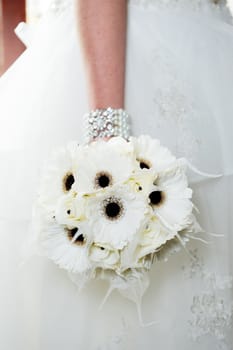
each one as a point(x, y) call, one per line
point(105, 123)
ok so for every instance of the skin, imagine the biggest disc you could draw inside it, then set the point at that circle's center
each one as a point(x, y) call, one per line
point(102, 33)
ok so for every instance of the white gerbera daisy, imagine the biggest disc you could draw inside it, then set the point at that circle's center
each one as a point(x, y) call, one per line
point(59, 176)
point(102, 164)
point(67, 246)
point(104, 257)
point(151, 155)
point(115, 215)
point(171, 199)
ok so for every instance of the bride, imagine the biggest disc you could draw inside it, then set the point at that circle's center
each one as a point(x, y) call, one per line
point(169, 65)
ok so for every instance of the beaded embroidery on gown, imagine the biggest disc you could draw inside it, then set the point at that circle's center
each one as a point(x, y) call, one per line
point(179, 83)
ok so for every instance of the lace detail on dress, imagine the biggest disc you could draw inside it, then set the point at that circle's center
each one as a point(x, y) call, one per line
point(118, 341)
point(175, 107)
point(212, 310)
point(57, 6)
point(37, 10)
point(173, 104)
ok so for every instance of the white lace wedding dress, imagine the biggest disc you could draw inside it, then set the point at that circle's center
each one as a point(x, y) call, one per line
point(179, 86)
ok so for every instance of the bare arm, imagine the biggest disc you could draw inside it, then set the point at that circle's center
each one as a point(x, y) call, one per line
point(102, 31)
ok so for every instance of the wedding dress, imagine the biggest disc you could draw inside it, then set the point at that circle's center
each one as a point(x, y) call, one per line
point(179, 85)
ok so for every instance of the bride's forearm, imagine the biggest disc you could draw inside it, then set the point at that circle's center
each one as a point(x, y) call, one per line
point(102, 31)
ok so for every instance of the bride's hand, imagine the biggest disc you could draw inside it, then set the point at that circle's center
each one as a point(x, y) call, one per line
point(102, 138)
point(102, 31)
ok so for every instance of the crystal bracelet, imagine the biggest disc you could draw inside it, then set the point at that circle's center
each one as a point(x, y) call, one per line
point(105, 123)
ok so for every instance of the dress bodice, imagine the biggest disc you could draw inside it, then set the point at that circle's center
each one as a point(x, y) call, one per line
point(56, 5)
point(194, 4)
point(219, 8)
point(215, 8)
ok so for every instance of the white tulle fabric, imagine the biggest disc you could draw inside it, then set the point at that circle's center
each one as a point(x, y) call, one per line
point(179, 82)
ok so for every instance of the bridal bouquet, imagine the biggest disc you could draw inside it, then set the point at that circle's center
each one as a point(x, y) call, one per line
point(113, 207)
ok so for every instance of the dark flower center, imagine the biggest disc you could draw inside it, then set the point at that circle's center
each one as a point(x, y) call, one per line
point(144, 164)
point(112, 208)
point(68, 181)
point(103, 179)
point(156, 197)
point(80, 239)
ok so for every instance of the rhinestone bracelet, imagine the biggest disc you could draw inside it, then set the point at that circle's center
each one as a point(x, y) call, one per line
point(109, 122)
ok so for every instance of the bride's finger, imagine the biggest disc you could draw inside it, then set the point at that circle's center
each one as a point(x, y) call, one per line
point(100, 138)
